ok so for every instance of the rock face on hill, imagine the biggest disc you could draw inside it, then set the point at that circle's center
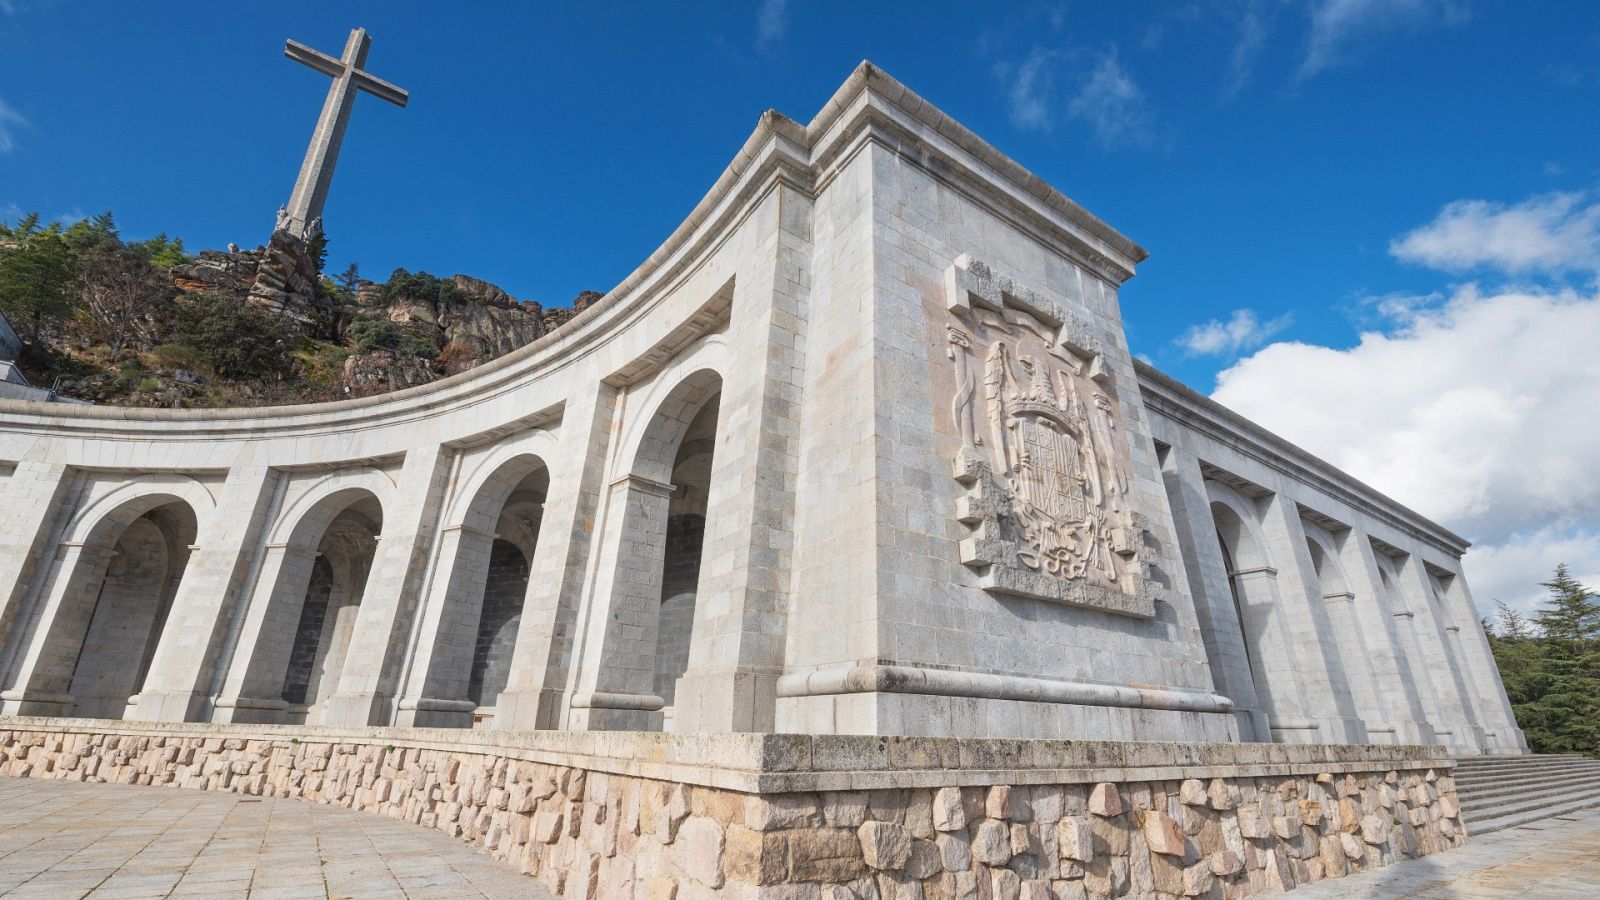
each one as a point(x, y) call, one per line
point(410, 330)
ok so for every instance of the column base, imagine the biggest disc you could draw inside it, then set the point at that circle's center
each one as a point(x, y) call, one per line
point(167, 706)
point(36, 703)
point(725, 701)
point(365, 708)
point(528, 709)
point(434, 712)
point(250, 710)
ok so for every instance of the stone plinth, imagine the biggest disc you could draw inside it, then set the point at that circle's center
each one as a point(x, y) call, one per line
point(746, 815)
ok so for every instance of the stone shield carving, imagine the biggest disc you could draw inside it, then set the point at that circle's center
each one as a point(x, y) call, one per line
point(1042, 450)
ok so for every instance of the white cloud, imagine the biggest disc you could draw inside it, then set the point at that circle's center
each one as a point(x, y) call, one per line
point(1254, 27)
point(1339, 26)
point(772, 22)
point(1548, 233)
point(1510, 571)
point(10, 120)
point(1243, 331)
point(1030, 97)
point(1112, 104)
point(1479, 412)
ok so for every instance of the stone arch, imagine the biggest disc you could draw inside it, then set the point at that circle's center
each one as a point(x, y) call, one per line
point(674, 437)
point(1253, 584)
point(474, 611)
point(306, 599)
point(102, 608)
point(1325, 560)
point(649, 440)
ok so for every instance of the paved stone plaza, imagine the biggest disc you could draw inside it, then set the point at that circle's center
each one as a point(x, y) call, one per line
point(62, 839)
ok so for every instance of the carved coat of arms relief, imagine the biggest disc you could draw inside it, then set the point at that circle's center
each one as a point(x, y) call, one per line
point(1042, 451)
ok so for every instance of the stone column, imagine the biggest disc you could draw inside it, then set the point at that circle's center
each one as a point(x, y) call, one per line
point(437, 697)
point(1279, 682)
point(178, 685)
point(368, 680)
point(535, 695)
point(1328, 699)
point(1458, 726)
point(615, 685)
point(1209, 582)
point(741, 608)
point(1404, 693)
point(252, 689)
point(1493, 706)
point(34, 498)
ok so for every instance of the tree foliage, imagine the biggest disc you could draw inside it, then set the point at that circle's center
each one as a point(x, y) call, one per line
point(1551, 667)
point(237, 339)
point(38, 276)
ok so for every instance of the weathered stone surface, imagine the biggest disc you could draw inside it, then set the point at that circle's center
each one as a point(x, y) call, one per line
point(1105, 800)
point(1226, 863)
point(829, 855)
point(1163, 834)
point(884, 845)
point(991, 843)
point(1192, 792)
point(948, 812)
point(1075, 839)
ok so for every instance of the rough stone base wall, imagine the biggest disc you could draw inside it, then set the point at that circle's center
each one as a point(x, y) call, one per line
point(587, 833)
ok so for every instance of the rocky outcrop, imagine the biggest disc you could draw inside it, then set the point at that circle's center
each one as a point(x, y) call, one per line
point(286, 280)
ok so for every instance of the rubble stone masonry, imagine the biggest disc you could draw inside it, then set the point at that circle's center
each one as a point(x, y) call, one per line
point(674, 817)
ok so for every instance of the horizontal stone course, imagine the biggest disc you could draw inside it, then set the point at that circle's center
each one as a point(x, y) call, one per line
point(627, 815)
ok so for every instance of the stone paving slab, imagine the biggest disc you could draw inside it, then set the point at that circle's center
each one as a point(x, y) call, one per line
point(66, 839)
point(1556, 858)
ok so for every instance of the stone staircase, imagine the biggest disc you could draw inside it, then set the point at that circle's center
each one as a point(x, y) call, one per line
point(1506, 791)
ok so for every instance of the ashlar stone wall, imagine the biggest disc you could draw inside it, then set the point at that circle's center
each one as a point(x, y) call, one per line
point(799, 818)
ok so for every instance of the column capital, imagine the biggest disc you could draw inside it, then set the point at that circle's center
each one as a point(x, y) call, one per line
point(644, 485)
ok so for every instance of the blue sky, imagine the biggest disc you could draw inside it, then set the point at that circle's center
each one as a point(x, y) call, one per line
point(1315, 181)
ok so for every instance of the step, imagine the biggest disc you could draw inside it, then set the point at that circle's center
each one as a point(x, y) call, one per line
point(1539, 805)
point(1484, 762)
point(1512, 820)
point(1525, 779)
point(1540, 775)
point(1477, 806)
point(1563, 763)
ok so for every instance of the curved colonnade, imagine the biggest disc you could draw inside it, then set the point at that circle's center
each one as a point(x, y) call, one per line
point(624, 525)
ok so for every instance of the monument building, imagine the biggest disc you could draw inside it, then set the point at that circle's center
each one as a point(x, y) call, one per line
point(860, 450)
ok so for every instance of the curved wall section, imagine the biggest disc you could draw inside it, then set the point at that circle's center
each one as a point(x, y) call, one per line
point(860, 449)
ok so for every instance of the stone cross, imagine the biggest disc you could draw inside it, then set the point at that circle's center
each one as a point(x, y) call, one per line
point(303, 215)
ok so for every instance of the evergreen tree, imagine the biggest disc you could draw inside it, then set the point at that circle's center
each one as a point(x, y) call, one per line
point(1560, 712)
point(38, 276)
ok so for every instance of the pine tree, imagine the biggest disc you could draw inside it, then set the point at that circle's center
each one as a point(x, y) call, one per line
point(1562, 710)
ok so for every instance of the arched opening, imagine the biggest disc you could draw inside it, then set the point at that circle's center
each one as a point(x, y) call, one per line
point(1240, 554)
point(104, 609)
point(680, 569)
point(329, 606)
point(505, 586)
point(474, 611)
point(640, 642)
point(130, 610)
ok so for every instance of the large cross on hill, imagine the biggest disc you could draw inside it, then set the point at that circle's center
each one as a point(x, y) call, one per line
point(303, 215)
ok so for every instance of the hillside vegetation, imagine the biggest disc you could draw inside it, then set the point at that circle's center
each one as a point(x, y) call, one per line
point(145, 323)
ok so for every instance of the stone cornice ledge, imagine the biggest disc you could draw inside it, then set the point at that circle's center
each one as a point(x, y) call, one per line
point(781, 763)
